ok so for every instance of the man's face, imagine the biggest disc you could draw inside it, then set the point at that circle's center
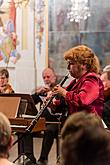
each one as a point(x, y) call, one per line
point(49, 77)
point(105, 80)
point(3, 80)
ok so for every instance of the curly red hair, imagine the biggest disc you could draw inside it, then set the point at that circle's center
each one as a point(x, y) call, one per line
point(84, 55)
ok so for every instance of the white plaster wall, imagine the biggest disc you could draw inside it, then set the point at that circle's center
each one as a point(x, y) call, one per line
point(25, 68)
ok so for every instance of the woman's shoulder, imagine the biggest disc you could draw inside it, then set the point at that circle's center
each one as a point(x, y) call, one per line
point(92, 74)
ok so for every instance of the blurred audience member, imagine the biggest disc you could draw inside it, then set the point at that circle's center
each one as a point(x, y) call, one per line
point(85, 141)
point(5, 140)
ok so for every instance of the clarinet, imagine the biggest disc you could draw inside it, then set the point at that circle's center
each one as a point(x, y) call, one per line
point(43, 107)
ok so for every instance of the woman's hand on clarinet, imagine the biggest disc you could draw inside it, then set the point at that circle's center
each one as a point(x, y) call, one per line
point(59, 90)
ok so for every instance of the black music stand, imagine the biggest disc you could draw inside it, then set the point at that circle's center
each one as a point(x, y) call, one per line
point(26, 107)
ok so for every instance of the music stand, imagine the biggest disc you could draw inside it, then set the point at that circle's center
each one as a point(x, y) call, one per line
point(9, 106)
point(26, 105)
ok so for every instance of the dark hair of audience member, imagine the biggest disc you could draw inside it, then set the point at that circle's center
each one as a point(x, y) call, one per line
point(85, 141)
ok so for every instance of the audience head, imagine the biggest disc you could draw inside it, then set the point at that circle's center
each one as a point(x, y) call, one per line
point(83, 56)
point(49, 76)
point(4, 77)
point(85, 141)
point(5, 136)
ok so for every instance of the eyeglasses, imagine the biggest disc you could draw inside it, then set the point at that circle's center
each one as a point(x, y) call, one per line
point(71, 63)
